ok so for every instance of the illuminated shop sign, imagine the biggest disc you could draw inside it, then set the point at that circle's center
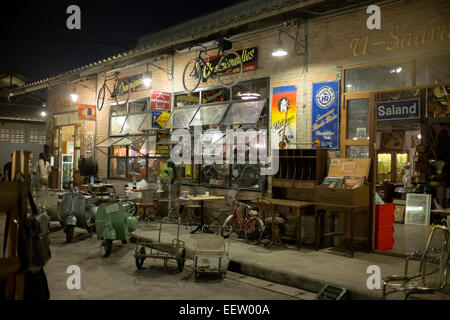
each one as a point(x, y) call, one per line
point(402, 109)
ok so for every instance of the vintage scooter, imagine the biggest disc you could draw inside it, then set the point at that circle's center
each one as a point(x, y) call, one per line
point(77, 210)
point(114, 221)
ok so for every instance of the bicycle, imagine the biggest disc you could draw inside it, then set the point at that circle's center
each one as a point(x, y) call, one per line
point(228, 69)
point(121, 88)
point(249, 224)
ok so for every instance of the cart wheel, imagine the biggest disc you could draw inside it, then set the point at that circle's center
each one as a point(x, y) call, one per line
point(196, 275)
point(140, 261)
point(107, 248)
point(69, 233)
point(181, 258)
point(223, 275)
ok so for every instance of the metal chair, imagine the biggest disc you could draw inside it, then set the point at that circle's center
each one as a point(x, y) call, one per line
point(274, 220)
point(432, 273)
point(218, 215)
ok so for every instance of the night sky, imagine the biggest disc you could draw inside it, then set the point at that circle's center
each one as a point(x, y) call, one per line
point(36, 42)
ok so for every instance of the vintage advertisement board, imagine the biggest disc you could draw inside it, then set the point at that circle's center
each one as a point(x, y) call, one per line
point(87, 112)
point(136, 84)
point(248, 56)
point(160, 100)
point(159, 119)
point(325, 115)
point(284, 100)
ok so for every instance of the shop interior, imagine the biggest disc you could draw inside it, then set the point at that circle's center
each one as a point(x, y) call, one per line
point(413, 165)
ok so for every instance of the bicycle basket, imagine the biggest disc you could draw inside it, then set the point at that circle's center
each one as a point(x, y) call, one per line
point(225, 45)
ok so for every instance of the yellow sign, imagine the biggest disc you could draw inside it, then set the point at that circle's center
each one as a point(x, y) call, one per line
point(160, 118)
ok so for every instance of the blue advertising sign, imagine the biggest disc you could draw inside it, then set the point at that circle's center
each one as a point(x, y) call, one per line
point(325, 114)
point(402, 109)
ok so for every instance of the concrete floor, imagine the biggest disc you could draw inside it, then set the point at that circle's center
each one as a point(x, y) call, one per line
point(116, 277)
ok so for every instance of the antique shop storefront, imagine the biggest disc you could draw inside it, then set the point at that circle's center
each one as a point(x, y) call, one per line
point(390, 95)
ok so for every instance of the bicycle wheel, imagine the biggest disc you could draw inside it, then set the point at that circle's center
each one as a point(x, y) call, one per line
point(191, 75)
point(121, 92)
point(230, 69)
point(231, 221)
point(254, 229)
point(101, 97)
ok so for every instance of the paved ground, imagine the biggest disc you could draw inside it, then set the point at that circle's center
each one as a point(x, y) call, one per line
point(305, 269)
point(116, 277)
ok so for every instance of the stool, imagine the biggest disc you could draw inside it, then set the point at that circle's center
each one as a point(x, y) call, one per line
point(274, 220)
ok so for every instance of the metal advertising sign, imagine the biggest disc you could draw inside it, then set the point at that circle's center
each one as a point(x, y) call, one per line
point(325, 114)
point(249, 58)
point(135, 83)
point(284, 116)
point(401, 109)
point(159, 119)
point(87, 112)
point(160, 100)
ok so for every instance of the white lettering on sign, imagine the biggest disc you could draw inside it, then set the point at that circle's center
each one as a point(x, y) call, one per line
point(112, 208)
point(398, 109)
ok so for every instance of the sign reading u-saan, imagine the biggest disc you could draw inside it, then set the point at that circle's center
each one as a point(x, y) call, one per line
point(325, 114)
point(401, 109)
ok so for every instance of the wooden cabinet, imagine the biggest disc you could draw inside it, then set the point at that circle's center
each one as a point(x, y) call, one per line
point(299, 171)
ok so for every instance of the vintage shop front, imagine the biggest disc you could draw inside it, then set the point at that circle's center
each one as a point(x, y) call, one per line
point(403, 60)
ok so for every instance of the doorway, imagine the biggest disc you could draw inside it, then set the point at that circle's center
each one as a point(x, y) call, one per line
point(67, 149)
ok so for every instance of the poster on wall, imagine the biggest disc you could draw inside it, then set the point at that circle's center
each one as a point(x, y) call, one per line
point(136, 84)
point(87, 112)
point(325, 115)
point(284, 113)
point(159, 119)
point(160, 100)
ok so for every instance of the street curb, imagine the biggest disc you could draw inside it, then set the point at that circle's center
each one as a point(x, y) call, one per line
point(284, 278)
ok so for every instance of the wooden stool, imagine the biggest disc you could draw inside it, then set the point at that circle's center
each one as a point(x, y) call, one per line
point(274, 220)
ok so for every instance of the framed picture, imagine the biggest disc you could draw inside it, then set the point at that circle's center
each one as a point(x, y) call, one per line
point(399, 213)
point(392, 140)
point(417, 210)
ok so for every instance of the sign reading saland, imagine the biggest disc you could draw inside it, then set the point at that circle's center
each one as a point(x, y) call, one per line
point(402, 109)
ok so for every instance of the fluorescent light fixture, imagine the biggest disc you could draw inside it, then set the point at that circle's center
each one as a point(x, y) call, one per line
point(249, 95)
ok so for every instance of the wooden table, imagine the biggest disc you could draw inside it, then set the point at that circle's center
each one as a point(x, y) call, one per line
point(202, 200)
point(299, 208)
point(351, 213)
point(144, 209)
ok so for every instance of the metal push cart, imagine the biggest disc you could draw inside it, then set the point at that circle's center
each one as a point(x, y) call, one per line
point(176, 250)
point(211, 254)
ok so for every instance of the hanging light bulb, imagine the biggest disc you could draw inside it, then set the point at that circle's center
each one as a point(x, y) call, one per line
point(279, 50)
point(74, 95)
point(147, 80)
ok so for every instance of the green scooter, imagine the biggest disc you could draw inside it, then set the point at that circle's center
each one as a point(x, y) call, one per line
point(114, 222)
